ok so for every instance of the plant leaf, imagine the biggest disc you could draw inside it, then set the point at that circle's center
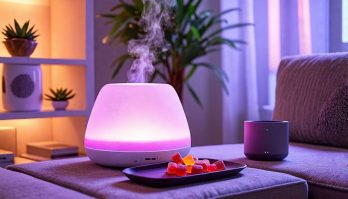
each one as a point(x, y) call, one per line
point(219, 73)
point(195, 33)
point(120, 61)
point(191, 72)
point(238, 25)
point(227, 11)
point(194, 94)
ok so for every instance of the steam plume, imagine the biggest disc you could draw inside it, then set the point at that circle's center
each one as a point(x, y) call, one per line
point(155, 13)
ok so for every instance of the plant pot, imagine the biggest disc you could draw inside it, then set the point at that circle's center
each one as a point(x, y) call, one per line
point(20, 47)
point(60, 105)
point(22, 87)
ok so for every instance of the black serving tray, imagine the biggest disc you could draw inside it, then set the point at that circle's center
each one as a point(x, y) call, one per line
point(155, 174)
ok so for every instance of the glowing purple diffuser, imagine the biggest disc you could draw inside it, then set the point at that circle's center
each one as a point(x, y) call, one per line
point(136, 123)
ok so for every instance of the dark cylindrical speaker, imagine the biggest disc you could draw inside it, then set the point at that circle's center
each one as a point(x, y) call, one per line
point(266, 140)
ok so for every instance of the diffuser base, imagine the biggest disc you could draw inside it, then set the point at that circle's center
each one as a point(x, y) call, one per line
point(132, 158)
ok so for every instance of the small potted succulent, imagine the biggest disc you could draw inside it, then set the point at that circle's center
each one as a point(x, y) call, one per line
point(20, 41)
point(60, 98)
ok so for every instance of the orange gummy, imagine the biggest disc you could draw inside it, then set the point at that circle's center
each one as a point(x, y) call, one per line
point(188, 160)
point(189, 168)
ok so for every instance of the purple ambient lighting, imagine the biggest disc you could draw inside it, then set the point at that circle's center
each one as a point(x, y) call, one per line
point(136, 118)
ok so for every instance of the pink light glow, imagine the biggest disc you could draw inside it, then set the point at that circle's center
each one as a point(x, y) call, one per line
point(273, 34)
point(137, 117)
point(304, 26)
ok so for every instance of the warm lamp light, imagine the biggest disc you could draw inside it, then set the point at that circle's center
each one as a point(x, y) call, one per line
point(32, 2)
point(136, 123)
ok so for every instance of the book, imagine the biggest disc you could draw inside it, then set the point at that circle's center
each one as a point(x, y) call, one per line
point(8, 139)
point(6, 156)
point(35, 158)
point(51, 150)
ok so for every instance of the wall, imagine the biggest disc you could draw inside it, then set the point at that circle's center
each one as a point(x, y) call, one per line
point(205, 124)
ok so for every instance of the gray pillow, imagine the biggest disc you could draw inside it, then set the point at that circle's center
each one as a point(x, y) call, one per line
point(308, 95)
point(333, 119)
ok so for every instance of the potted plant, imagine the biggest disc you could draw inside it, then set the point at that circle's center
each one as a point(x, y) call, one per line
point(194, 34)
point(21, 82)
point(20, 41)
point(60, 98)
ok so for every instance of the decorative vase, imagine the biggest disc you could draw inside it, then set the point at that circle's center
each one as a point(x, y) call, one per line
point(60, 105)
point(22, 87)
point(20, 47)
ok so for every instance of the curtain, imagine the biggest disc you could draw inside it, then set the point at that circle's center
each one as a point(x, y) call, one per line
point(281, 28)
point(242, 102)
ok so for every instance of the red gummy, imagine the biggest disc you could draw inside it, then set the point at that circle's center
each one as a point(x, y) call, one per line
point(203, 164)
point(177, 158)
point(181, 170)
point(196, 169)
point(220, 165)
point(206, 161)
point(171, 168)
point(211, 167)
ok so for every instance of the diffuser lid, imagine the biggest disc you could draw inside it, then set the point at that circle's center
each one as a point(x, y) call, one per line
point(137, 117)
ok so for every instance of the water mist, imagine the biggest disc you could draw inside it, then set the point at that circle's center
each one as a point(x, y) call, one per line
point(155, 13)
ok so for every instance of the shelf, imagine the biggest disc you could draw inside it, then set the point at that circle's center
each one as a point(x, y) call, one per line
point(27, 60)
point(21, 160)
point(41, 114)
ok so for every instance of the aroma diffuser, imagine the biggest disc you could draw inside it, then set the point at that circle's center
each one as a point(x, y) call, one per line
point(266, 140)
point(136, 123)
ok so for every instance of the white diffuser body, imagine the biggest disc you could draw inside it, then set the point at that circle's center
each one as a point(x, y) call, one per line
point(136, 123)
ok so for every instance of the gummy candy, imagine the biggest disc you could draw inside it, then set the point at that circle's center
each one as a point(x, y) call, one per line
point(181, 170)
point(171, 168)
point(220, 165)
point(203, 164)
point(190, 165)
point(197, 169)
point(177, 158)
point(188, 160)
point(211, 167)
point(206, 161)
point(189, 168)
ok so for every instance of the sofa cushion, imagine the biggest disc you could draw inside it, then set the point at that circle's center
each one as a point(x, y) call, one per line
point(84, 176)
point(324, 168)
point(333, 118)
point(304, 85)
point(16, 185)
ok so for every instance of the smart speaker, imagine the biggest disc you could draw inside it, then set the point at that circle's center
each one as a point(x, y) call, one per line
point(136, 123)
point(266, 140)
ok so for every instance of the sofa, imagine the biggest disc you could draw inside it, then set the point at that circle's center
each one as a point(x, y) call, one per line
point(311, 93)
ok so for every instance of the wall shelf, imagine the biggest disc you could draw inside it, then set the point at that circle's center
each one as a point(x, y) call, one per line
point(26, 60)
point(66, 52)
point(41, 114)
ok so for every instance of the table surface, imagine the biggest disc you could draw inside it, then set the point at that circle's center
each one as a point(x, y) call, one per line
point(82, 175)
